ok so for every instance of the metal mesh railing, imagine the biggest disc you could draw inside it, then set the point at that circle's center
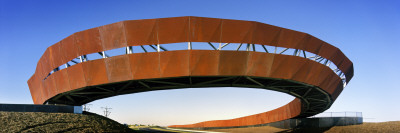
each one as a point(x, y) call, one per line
point(338, 114)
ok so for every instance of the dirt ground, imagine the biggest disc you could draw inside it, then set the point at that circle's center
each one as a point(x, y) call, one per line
point(382, 127)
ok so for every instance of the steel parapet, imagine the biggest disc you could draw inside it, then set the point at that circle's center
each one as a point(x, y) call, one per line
point(312, 80)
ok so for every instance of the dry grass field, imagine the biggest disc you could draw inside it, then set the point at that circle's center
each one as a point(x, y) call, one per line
point(383, 127)
point(13, 122)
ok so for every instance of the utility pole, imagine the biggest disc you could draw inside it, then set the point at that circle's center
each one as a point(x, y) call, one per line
point(106, 111)
point(86, 107)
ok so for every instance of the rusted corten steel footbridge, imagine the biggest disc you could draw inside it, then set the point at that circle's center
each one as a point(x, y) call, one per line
point(188, 52)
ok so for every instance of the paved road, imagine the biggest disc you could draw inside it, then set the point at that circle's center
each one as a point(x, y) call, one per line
point(172, 130)
point(149, 130)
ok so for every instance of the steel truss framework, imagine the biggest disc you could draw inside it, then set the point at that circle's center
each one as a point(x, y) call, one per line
point(314, 98)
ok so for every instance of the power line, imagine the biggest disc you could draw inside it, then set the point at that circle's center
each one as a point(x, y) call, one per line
point(106, 111)
point(86, 107)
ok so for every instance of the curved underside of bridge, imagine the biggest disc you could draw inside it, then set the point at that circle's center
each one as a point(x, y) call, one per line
point(215, 53)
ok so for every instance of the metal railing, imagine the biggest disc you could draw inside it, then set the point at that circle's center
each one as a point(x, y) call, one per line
point(338, 114)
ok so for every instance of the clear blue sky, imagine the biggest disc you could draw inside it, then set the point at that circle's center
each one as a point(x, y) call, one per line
point(368, 32)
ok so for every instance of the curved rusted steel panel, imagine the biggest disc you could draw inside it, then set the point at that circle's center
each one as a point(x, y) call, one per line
point(132, 33)
point(61, 80)
point(204, 63)
point(87, 42)
point(145, 65)
point(75, 76)
point(174, 64)
point(113, 36)
point(287, 111)
point(95, 72)
point(55, 52)
point(205, 29)
point(89, 80)
point(141, 32)
point(118, 68)
point(172, 30)
point(69, 48)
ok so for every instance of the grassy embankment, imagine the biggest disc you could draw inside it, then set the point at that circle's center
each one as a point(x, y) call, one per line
point(58, 122)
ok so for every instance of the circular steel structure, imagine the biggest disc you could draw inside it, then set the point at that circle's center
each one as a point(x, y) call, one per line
point(188, 52)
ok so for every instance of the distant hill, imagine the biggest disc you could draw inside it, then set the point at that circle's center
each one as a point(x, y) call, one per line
point(11, 122)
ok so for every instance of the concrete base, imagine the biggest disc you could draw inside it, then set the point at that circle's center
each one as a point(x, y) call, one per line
point(40, 108)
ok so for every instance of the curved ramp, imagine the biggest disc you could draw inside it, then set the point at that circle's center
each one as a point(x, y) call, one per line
point(292, 62)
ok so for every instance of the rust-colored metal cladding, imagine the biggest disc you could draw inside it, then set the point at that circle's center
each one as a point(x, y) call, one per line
point(145, 65)
point(336, 84)
point(39, 73)
point(118, 68)
point(315, 80)
point(46, 65)
point(61, 81)
point(76, 77)
point(290, 39)
point(113, 36)
point(69, 48)
point(288, 112)
point(326, 74)
point(265, 34)
point(259, 64)
point(278, 114)
point(205, 29)
point(56, 55)
point(172, 30)
point(285, 67)
point(50, 85)
point(237, 31)
point(312, 44)
point(303, 71)
point(327, 51)
point(95, 72)
point(348, 69)
point(35, 87)
point(204, 62)
point(174, 64)
point(313, 75)
point(141, 32)
point(50, 57)
point(337, 91)
point(41, 96)
point(322, 75)
point(328, 79)
point(44, 91)
point(345, 65)
point(88, 41)
point(232, 63)
point(338, 58)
